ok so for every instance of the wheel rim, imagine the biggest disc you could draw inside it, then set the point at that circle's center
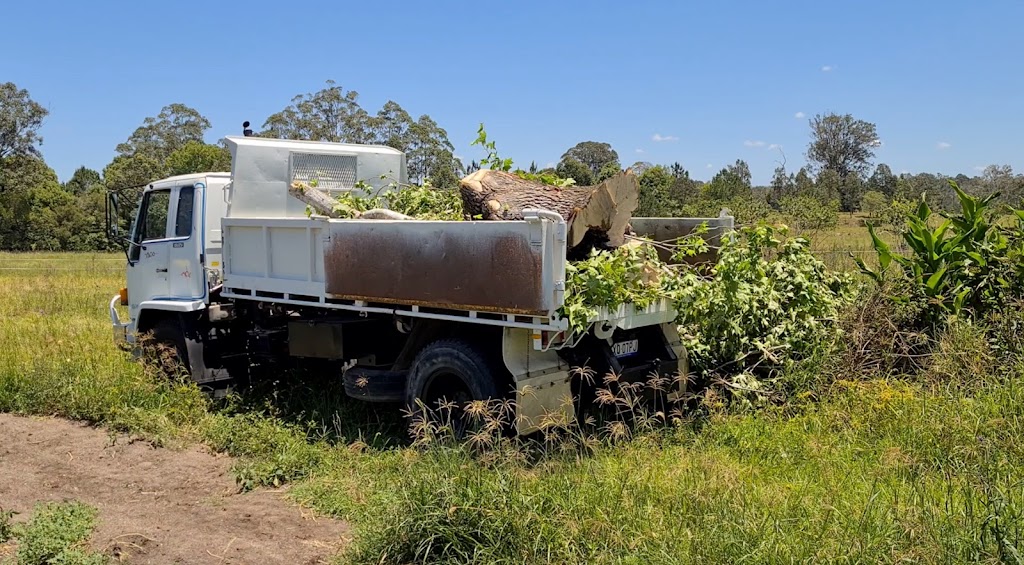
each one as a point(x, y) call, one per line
point(445, 397)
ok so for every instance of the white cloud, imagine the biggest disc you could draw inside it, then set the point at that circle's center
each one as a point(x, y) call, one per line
point(549, 165)
point(828, 68)
point(799, 115)
point(659, 138)
point(638, 150)
point(758, 144)
point(943, 145)
point(709, 165)
point(979, 168)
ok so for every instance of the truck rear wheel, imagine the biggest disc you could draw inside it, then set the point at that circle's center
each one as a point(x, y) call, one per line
point(449, 370)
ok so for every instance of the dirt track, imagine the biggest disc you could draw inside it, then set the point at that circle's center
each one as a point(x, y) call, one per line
point(155, 505)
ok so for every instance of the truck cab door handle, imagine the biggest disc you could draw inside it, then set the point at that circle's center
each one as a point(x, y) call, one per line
point(161, 270)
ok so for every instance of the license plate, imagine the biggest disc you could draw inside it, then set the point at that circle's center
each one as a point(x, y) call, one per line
point(626, 348)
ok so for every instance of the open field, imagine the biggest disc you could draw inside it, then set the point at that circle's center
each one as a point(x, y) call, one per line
point(878, 470)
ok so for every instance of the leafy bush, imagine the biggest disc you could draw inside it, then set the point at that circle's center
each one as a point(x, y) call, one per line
point(893, 218)
point(809, 213)
point(768, 302)
point(6, 529)
point(966, 265)
point(874, 203)
point(55, 534)
point(745, 208)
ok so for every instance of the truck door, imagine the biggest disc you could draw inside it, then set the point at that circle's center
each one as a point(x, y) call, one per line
point(187, 279)
point(149, 252)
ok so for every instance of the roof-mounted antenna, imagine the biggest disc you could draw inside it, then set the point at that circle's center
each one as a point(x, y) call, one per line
point(245, 129)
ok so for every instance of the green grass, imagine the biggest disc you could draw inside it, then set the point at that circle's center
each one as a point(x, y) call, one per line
point(883, 470)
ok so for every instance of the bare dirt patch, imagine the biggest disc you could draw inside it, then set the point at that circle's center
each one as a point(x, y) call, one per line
point(156, 505)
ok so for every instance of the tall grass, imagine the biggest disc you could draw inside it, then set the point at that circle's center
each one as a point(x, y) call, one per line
point(878, 470)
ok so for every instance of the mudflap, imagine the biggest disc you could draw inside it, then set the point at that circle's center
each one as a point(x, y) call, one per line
point(651, 355)
point(375, 385)
point(203, 375)
point(542, 383)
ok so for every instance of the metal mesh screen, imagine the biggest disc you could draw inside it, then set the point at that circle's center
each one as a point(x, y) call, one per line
point(325, 172)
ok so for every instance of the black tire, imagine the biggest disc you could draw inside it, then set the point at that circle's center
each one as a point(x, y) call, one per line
point(167, 347)
point(453, 370)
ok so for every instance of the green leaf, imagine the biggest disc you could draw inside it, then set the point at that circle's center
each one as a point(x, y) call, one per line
point(940, 232)
point(881, 248)
point(876, 276)
point(968, 204)
point(922, 210)
point(958, 301)
point(936, 278)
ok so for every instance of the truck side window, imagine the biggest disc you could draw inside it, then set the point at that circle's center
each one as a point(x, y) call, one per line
point(183, 221)
point(151, 223)
point(155, 208)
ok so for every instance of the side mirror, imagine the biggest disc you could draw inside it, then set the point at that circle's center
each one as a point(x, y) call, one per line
point(113, 225)
point(113, 219)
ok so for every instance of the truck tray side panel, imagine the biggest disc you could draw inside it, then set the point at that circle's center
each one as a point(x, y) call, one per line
point(485, 266)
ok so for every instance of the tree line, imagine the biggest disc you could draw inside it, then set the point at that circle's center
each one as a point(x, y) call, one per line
point(37, 212)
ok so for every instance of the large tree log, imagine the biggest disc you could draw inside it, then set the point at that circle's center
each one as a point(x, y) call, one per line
point(603, 210)
point(324, 204)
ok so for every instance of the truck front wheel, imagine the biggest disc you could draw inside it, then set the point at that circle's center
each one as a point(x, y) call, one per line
point(166, 347)
point(449, 370)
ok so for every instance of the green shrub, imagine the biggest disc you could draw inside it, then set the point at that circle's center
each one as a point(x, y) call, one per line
point(874, 203)
point(6, 529)
point(768, 302)
point(966, 265)
point(55, 534)
point(809, 213)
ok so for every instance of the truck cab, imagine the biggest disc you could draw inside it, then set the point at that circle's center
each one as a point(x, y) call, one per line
point(174, 248)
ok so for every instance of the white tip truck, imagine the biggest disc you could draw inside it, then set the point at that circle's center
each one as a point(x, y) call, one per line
point(228, 268)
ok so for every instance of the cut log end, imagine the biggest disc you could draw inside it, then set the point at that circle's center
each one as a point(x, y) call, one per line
point(604, 209)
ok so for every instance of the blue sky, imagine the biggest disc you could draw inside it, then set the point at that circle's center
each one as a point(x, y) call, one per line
point(702, 83)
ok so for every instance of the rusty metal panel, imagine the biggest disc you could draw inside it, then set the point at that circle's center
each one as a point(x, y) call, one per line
point(485, 266)
point(668, 229)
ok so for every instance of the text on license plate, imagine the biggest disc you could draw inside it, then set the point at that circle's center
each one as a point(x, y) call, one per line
point(625, 348)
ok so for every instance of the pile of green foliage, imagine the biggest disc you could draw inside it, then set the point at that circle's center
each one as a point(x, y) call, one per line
point(425, 202)
point(764, 304)
point(767, 303)
point(631, 274)
point(422, 202)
